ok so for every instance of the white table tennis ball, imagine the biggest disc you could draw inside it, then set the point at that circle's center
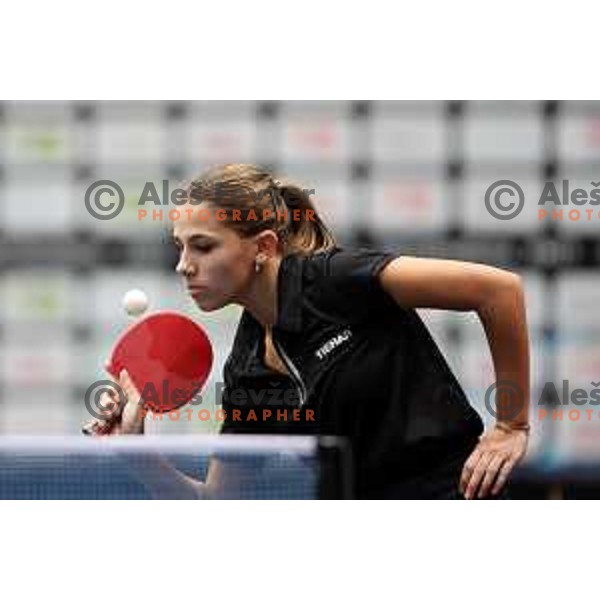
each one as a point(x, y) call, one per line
point(135, 302)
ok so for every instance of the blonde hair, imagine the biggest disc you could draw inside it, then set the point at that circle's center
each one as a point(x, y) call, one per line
point(245, 188)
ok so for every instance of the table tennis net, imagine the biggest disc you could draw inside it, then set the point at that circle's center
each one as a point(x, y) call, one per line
point(168, 467)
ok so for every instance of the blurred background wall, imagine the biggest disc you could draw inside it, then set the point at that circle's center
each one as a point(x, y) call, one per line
point(405, 176)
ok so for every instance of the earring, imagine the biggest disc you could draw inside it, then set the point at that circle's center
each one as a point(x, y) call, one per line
point(257, 265)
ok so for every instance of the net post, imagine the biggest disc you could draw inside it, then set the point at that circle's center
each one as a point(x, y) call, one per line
point(335, 468)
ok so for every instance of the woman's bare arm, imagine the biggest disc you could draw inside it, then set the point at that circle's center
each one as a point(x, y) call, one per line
point(495, 294)
point(164, 481)
point(498, 298)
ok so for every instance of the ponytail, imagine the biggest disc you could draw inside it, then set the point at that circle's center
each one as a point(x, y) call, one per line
point(308, 233)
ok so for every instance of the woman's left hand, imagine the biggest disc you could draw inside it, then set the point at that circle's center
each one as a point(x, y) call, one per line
point(491, 462)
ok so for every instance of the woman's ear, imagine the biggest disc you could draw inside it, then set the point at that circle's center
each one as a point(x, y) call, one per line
point(267, 243)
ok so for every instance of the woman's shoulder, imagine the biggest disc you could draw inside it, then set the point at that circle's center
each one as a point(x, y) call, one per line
point(339, 262)
point(348, 278)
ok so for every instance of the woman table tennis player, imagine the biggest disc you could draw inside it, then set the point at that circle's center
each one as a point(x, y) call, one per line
point(335, 333)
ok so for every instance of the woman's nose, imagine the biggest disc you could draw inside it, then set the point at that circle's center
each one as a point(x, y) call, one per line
point(184, 266)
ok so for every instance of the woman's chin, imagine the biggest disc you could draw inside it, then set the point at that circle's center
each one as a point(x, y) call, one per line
point(208, 305)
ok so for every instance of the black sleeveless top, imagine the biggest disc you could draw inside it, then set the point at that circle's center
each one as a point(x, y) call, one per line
point(360, 366)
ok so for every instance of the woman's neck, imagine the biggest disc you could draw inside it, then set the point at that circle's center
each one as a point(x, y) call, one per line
point(261, 300)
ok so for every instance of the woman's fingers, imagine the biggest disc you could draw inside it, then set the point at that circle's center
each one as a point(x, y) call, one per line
point(135, 411)
point(108, 401)
point(97, 427)
point(468, 470)
point(490, 475)
point(88, 428)
point(111, 405)
point(491, 462)
point(477, 475)
point(505, 471)
point(119, 410)
point(128, 387)
point(109, 411)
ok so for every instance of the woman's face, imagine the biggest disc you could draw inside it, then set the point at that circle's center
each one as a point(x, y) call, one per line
point(216, 263)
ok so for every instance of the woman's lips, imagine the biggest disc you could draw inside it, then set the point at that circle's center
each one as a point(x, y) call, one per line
point(196, 290)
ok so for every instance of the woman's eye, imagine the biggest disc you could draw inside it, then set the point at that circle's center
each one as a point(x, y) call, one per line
point(203, 249)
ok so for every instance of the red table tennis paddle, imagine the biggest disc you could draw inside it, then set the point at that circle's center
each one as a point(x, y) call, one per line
point(168, 357)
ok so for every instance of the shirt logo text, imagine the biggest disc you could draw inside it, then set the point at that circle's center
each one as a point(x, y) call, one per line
point(334, 342)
